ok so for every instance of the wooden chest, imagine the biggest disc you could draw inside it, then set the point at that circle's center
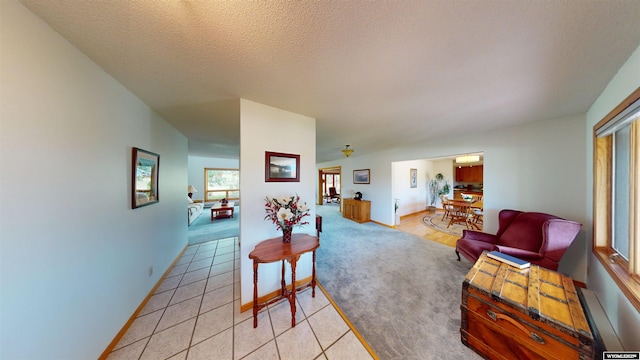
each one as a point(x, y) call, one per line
point(532, 313)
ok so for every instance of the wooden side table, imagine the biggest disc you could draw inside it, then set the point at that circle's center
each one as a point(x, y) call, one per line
point(222, 210)
point(273, 250)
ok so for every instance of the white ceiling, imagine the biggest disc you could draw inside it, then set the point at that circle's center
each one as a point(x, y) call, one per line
point(375, 75)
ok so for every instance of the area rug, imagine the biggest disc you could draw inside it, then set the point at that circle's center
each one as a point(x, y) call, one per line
point(435, 222)
point(203, 229)
point(400, 291)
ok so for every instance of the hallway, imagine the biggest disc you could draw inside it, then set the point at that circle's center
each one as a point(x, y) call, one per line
point(194, 314)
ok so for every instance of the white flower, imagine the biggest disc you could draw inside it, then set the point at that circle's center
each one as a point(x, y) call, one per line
point(284, 199)
point(284, 214)
point(303, 207)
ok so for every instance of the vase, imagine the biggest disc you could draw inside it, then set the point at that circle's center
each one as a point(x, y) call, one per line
point(286, 235)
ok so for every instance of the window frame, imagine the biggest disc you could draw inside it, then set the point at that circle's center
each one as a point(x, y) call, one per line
point(206, 186)
point(625, 273)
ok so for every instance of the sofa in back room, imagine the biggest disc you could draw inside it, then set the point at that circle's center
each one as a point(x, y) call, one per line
point(194, 209)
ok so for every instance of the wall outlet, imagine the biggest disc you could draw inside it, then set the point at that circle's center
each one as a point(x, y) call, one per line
point(150, 270)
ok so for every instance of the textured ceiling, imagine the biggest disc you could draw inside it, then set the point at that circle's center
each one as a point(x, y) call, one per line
point(375, 74)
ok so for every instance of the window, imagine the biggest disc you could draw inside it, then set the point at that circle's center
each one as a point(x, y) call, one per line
point(616, 201)
point(221, 184)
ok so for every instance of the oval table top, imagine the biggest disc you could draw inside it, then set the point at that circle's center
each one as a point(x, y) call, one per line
point(274, 249)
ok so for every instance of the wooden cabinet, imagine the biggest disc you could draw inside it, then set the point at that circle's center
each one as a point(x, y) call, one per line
point(470, 174)
point(356, 210)
point(476, 173)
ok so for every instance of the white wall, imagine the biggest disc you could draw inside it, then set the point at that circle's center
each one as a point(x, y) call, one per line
point(74, 255)
point(411, 199)
point(196, 166)
point(624, 318)
point(264, 128)
point(537, 166)
point(380, 189)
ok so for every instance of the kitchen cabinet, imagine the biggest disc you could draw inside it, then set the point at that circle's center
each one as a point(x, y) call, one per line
point(470, 174)
point(356, 210)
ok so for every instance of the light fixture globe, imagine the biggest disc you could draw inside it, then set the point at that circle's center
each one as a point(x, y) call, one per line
point(347, 151)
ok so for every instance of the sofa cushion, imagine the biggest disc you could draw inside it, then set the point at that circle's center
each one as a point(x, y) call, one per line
point(525, 231)
point(471, 248)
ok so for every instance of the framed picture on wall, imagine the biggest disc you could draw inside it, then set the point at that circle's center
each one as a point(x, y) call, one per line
point(144, 183)
point(413, 176)
point(280, 167)
point(361, 176)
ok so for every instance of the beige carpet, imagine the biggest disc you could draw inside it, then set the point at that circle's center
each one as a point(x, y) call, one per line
point(435, 221)
point(400, 291)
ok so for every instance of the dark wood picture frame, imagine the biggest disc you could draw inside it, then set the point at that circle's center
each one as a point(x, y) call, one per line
point(144, 178)
point(361, 176)
point(281, 167)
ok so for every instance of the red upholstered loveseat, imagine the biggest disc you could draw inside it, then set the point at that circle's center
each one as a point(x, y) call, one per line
point(539, 238)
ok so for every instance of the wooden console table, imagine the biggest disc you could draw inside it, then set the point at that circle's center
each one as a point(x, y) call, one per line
point(273, 250)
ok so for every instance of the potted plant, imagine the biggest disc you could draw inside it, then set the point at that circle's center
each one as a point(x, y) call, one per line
point(437, 186)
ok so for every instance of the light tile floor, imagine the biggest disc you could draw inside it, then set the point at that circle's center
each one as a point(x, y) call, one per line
point(194, 314)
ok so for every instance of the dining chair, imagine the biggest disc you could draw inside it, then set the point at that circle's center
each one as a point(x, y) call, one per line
point(333, 194)
point(477, 212)
point(446, 206)
point(477, 216)
point(461, 213)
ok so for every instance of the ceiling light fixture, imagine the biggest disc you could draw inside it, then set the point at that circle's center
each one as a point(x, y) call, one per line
point(467, 159)
point(347, 151)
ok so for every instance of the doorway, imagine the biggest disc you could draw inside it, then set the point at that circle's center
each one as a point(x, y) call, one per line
point(418, 200)
point(329, 178)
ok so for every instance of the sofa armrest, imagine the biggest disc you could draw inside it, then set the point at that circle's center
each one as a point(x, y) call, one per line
point(479, 236)
point(197, 206)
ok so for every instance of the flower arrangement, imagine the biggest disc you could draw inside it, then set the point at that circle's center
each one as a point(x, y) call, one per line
point(286, 211)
